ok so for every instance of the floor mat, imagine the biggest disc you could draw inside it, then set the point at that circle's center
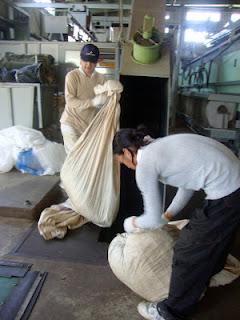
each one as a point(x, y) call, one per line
point(19, 289)
point(80, 245)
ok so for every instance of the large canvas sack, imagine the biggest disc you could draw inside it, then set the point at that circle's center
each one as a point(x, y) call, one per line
point(143, 262)
point(90, 174)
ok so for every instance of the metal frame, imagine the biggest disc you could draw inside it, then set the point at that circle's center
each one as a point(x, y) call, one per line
point(12, 85)
point(75, 6)
point(56, 48)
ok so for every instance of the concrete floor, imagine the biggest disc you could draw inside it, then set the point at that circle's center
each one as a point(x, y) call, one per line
point(71, 290)
point(76, 291)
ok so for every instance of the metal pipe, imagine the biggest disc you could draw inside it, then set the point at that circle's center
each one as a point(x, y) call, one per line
point(120, 20)
point(174, 80)
point(216, 84)
point(78, 6)
point(228, 42)
point(15, 6)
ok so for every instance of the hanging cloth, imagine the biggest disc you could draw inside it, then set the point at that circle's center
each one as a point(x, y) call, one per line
point(90, 174)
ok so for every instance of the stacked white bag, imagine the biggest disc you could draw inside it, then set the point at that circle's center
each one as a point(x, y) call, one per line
point(143, 262)
point(16, 139)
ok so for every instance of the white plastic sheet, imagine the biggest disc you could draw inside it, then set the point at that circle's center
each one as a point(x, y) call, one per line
point(14, 140)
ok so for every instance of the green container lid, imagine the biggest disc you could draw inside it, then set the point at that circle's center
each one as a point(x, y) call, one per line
point(145, 54)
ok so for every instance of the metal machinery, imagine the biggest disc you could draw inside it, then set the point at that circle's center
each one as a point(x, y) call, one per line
point(209, 90)
point(57, 20)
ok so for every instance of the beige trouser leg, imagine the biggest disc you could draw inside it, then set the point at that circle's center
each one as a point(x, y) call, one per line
point(70, 137)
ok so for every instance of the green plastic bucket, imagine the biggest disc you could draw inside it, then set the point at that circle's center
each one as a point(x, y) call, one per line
point(145, 54)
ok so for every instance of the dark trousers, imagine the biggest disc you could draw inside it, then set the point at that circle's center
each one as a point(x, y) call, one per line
point(199, 253)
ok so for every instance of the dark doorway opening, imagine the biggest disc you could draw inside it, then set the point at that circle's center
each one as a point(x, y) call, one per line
point(143, 103)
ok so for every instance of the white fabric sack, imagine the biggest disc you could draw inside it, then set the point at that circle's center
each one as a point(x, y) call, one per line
point(142, 261)
point(90, 174)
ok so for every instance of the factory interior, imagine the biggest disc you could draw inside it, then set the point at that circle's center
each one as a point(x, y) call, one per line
point(178, 62)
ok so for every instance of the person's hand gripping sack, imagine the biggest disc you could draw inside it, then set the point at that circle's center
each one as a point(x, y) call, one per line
point(167, 216)
point(99, 100)
point(130, 224)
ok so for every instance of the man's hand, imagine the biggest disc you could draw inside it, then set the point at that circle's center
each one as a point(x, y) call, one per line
point(99, 100)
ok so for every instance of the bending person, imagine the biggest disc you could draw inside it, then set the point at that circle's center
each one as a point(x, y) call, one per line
point(189, 162)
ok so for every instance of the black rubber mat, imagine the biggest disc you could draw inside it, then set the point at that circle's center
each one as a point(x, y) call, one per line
point(13, 269)
point(80, 245)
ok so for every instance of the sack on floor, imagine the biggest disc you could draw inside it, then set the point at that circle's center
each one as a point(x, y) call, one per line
point(90, 174)
point(56, 220)
point(142, 261)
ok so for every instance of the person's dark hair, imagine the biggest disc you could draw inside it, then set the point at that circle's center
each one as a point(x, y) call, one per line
point(128, 138)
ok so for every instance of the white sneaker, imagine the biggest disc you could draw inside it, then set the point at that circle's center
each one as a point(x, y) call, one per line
point(148, 310)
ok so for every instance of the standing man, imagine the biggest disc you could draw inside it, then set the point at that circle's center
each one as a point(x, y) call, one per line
point(189, 162)
point(81, 103)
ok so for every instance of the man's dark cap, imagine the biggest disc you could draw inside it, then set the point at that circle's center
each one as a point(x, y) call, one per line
point(90, 53)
